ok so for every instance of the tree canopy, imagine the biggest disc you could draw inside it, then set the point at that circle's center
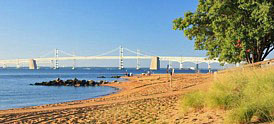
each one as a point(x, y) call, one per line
point(231, 30)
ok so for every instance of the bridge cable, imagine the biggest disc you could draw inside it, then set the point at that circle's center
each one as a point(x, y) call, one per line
point(111, 51)
point(135, 52)
point(48, 53)
point(68, 54)
point(149, 54)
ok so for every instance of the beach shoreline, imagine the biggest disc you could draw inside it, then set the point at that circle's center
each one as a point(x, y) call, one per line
point(132, 94)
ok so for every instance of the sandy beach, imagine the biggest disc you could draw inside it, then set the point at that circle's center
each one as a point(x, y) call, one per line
point(142, 99)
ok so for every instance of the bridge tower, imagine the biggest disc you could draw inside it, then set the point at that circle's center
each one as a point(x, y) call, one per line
point(17, 64)
point(170, 64)
point(155, 63)
point(197, 68)
point(74, 61)
point(138, 60)
point(209, 67)
point(121, 61)
point(51, 64)
point(5, 65)
point(181, 66)
point(32, 64)
point(56, 59)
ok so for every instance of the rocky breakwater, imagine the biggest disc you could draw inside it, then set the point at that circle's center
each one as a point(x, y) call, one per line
point(72, 82)
point(109, 77)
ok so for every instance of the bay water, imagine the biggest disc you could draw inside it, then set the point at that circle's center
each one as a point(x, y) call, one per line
point(16, 91)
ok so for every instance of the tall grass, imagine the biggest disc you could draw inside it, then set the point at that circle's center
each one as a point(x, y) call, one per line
point(247, 94)
point(192, 101)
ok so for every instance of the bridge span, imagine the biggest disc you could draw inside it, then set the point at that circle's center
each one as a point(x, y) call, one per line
point(155, 60)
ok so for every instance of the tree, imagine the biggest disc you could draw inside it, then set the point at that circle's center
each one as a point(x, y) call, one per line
point(231, 30)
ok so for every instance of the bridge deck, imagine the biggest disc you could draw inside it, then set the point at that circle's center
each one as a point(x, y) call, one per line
point(162, 58)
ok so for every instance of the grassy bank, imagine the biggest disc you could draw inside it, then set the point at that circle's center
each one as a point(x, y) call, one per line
point(246, 94)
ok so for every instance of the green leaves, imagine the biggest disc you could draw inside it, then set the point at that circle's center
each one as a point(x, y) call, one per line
point(216, 26)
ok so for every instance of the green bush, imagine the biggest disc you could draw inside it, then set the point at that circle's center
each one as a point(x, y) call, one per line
point(222, 96)
point(241, 114)
point(249, 109)
point(194, 100)
point(226, 91)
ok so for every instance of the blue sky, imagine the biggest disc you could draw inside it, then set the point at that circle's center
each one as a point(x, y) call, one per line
point(89, 27)
point(31, 28)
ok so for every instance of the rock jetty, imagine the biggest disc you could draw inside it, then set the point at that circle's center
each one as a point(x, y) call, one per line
point(101, 77)
point(71, 82)
point(117, 76)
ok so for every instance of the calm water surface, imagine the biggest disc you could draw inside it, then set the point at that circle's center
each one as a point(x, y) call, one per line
point(15, 91)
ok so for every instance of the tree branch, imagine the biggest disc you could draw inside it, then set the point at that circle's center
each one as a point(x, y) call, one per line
point(267, 52)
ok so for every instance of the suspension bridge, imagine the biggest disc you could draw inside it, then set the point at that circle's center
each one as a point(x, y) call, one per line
point(138, 56)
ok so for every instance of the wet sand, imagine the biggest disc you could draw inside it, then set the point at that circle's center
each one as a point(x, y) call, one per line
point(142, 99)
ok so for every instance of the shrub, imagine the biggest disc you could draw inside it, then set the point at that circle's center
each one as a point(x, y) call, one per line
point(222, 96)
point(241, 114)
point(194, 100)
